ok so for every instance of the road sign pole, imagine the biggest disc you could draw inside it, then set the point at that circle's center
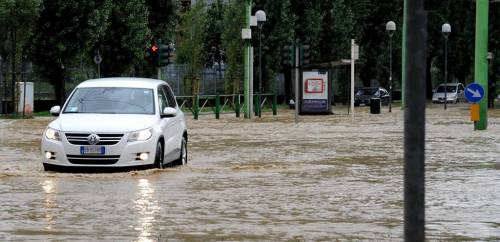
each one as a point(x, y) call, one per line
point(297, 77)
point(481, 60)
point(390, 74)
point(353, 44)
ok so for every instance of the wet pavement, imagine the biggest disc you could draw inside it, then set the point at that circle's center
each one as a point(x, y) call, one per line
point(327, 178)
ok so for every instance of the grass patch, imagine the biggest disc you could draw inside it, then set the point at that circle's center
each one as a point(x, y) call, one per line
point(42, 114)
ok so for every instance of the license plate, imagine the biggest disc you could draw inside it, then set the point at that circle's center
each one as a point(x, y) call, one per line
point(95, 150)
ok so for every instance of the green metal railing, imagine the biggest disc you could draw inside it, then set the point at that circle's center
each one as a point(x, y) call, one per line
point(220, 104)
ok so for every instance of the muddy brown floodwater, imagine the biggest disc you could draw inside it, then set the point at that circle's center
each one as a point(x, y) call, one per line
point(327, 178)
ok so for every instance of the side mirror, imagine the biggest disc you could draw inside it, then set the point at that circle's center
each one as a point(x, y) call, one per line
point(169, 112)
point(54, 111)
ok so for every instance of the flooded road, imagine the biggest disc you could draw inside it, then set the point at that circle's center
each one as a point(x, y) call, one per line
point(324, 179)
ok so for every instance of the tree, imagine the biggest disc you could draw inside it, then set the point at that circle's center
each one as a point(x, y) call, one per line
point(213, 33)
point(126, 38)
point(162, 18)
point(190, 50)
point(16, 19)
point(65, 30)
point(232, 43)
point(277, 32)
point(162, 21)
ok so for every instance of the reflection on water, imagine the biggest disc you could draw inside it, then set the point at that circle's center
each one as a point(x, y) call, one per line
point(146, 207)
point(49, 188)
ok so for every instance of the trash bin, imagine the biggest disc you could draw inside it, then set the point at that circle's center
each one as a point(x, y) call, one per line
point(375, 106)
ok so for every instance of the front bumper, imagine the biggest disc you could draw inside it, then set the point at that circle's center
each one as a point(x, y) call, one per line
point(126, 151)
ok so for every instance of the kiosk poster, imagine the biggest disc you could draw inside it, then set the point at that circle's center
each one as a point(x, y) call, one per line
point(315, 91)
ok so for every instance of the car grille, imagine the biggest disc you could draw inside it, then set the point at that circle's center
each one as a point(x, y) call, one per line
point(93, 159)
point(105, 139)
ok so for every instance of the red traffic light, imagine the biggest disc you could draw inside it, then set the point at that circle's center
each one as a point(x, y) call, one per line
point(154, 48)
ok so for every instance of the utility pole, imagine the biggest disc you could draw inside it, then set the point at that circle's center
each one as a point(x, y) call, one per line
point(414, 124)
point(353, 46)
point(246, 61)
point(481, 60)
point(403, 61)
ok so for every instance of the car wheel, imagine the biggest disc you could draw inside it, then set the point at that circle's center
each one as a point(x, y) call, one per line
point(183, 159)
point(159, 156)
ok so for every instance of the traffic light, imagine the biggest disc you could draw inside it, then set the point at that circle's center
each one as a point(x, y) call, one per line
point(154, 48)
point(305, 55)
point(164, 53)
point(151, 55)
point(289, 55)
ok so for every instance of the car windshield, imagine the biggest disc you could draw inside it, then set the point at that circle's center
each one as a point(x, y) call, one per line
point(111, 100)
point(367, 91)
point(449, 89)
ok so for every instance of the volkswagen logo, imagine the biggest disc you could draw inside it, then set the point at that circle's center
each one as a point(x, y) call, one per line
point(93, 139)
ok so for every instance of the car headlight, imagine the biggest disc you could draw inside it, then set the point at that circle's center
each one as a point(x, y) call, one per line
point(141, 135)
point(52, 134)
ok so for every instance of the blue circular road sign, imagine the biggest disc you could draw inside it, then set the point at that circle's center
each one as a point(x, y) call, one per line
point(474, 93)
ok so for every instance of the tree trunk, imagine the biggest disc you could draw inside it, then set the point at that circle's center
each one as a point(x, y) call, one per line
point(59, 85)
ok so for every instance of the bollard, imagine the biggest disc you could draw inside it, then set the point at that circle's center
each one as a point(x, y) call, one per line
point(196, 106)
point(238, 104)
point(275, 104)
point(217, 107)
point(474, 112)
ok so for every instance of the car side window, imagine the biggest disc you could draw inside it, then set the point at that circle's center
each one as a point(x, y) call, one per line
point(162, 99)
point(170, 97)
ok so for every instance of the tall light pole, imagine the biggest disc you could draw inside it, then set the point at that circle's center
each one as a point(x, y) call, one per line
point(247, 36)
point(261, 19)
point(446, 30)
point(390, 27)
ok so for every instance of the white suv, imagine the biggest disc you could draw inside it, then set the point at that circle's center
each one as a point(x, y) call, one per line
point(116, 122)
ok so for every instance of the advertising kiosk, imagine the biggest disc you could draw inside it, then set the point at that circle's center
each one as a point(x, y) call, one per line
point(316, 92)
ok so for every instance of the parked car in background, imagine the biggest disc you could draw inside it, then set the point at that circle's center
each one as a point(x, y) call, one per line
point(455, 93)
point(116, 122)
point(364, 94)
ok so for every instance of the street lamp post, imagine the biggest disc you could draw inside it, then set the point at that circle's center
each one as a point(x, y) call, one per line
point(261, 19)
point(446, 30)
point(390, 28)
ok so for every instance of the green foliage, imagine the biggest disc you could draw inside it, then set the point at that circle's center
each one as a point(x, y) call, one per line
point(163, 18)
point(18, 16)
point(190, 49)
point(277, 33)
point(213, 33)
point(126, 39)
point(233, 45)
point(67, 33)
point(66, 30)
point(16, 24)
